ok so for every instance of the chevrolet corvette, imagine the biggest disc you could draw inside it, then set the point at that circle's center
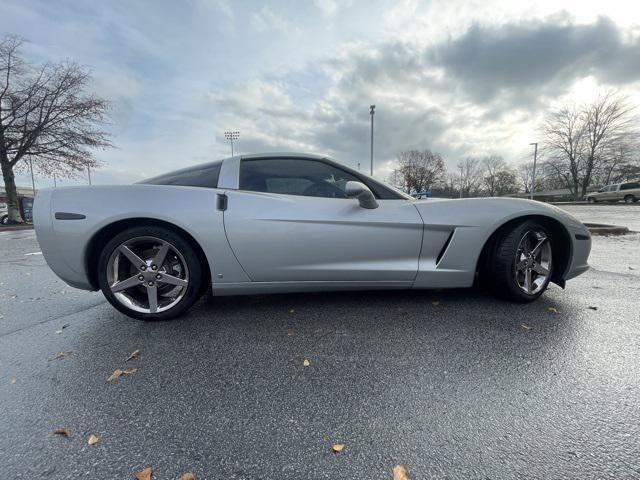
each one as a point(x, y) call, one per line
point(283, 222)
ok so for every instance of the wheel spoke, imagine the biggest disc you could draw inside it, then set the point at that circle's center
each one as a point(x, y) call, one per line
point(521, 265)
point(540, 270)
point(158, 260)
point(527, 280)
point(124, 284)
point(152, 295)
point(132, 257)
point(538, 245)
point(171, 280)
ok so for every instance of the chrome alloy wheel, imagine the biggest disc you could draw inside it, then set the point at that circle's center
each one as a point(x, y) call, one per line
point(533, 261)
point(147, 274)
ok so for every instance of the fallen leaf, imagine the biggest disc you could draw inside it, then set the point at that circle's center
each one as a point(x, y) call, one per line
point(187, 476)
point(117, 373)
point(400, 473)
point(306, 362)
point(552, 309)
point(13, 380)
point(144, 474)
point(62, 354)
point(58, 331)
point(526, 327)
point(133, 355)
point(593, 308)
point(337, 447)
point(435, 303)
point(63, 432)
point(92, 439)
point(292, 311)
point(290, 333)
point(65, 326)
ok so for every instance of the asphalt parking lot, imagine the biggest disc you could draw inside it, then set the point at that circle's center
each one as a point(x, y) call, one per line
point(451, 384)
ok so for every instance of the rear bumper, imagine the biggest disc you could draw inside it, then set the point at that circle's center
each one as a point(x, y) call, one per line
point(55, 251)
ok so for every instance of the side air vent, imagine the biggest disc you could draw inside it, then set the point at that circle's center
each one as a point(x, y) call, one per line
point(444, 247)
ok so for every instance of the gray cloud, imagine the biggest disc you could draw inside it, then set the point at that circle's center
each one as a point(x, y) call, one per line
point(533, 56)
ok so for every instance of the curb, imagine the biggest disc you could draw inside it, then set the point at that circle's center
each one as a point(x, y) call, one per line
point(603, 229)
point(13, 228)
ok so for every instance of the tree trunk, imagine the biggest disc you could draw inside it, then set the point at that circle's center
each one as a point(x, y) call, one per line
point(12, 194)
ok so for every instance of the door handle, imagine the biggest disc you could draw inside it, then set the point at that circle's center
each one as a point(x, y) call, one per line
point(221, 202)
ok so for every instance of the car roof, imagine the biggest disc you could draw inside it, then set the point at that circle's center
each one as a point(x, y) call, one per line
point(285, 155)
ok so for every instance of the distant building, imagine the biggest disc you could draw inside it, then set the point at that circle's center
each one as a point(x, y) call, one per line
point(559, 195)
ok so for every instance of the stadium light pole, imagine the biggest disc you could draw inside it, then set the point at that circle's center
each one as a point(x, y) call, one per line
point(33, 182)
point(231, 136)
point(89, 173)
point(372, 109)
point(533, 175)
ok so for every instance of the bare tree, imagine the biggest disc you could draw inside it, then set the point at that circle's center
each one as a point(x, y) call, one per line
point(46, 118)
point(418, 170)
point(492, 167)
point(470, 176)
point(579, 141)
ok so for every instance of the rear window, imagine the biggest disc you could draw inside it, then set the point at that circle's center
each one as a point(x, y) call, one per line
point(629, 186)
point(205, 176)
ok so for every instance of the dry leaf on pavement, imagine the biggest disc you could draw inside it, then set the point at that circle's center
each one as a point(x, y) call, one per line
point(92, 439)
point(63, 432)
point(292, 311)
point(117, 373)
point(187, 476)
point(593, 308)
point(337, 447)
point(133, 355)
point(62, 354)
point(400, 473)
point(553, 309)
point(144, 474)
point(435, 303)
point(526, 327)
point(306, 362)
point(13, 380)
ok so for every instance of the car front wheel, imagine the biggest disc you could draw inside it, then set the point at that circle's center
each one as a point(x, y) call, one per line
point(150, 273)
point(523, 262)
point(591, 200)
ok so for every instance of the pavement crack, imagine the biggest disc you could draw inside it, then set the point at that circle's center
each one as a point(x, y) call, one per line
point(51, 319)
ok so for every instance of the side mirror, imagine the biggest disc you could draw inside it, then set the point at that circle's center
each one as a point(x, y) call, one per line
point(362, 193)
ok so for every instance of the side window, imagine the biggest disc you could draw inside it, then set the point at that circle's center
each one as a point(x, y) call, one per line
point(630, 186)
point(200, 176)
point(293, 176)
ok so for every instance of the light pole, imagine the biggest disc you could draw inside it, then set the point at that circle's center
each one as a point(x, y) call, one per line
point(55, 184)
point(33, 182)
point(372, 109)
point(231, 136)
point(461, 180)
point(89, 173)
point(533, 175)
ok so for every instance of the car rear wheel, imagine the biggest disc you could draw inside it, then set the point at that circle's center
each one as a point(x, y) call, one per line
point(522, 262)
point(4, 219)
point(150, 273)
point(629, 199)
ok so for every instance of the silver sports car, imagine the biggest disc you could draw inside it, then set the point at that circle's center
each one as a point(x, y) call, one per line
point(294, 223)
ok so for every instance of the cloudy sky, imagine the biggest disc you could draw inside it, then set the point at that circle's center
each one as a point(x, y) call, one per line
point(460, 77)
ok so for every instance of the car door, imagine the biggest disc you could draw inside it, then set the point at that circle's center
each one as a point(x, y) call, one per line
point(290, 220)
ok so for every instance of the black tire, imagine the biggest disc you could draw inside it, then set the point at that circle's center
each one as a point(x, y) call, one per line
point(629, 199)
point(502, 273)
point(591, 200)
point(195, 277)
